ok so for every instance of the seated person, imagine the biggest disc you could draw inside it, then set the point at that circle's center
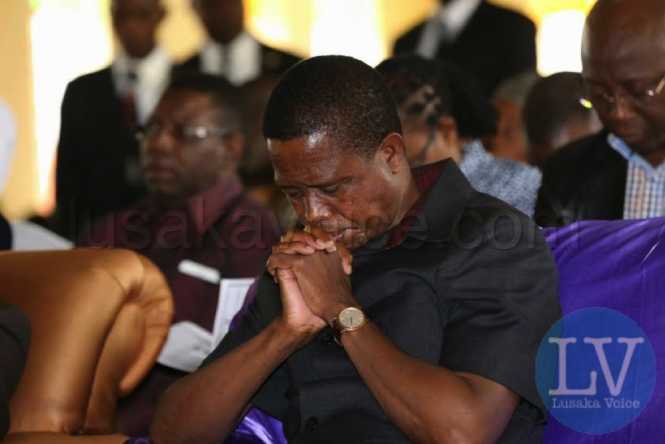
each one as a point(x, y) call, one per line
point(442, 119)
point(197, 225)
point(510, 139)
point(427, 333)
point(555, 114)
point(618, 172)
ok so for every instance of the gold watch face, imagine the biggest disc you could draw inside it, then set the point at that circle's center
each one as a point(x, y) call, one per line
point(351, 318)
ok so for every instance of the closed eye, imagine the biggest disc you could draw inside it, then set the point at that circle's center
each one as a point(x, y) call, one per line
point(292, 193)
point(331, 189)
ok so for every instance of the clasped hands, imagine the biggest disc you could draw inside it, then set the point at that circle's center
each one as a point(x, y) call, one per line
point(313, 274)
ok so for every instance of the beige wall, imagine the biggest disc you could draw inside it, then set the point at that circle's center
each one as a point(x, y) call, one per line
point(16, 90)
point(283, 23)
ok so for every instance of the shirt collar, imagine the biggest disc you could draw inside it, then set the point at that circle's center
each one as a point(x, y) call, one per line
point(474, 157)
point(621, 147)
point(151, 71)
point(455, 15)
point(245, 52)
point(207, 207)
point(203, 210)
point(444, 191)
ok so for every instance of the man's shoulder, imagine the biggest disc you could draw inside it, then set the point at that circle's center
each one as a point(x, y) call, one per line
point(92, 79)
point(503, 16)
point(407, 42)
point(517, 172)
point(250, 215)
point(190, 64)
point(580, 158)
point(275, 60)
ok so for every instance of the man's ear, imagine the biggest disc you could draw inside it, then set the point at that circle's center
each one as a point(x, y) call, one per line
point(392, 152)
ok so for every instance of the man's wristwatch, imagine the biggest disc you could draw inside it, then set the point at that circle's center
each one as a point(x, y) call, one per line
point(349, 319)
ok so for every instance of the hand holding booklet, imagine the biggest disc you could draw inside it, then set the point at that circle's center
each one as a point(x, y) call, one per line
point(188, 344)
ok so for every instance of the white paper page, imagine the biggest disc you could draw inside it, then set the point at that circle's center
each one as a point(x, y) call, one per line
point(186, 347)
point(231, 297)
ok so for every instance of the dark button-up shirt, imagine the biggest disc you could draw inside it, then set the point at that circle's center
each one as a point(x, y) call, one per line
point(471, 286)
point(221, 229)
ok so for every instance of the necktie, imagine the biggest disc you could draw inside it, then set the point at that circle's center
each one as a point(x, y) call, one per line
point(226, 62)
point(430, 39)
point(128, 101)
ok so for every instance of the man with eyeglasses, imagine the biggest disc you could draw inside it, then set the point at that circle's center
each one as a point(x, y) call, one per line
point(196, 223)
point(618, 173)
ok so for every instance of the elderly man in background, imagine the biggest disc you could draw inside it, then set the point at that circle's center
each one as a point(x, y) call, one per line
point(618, 173)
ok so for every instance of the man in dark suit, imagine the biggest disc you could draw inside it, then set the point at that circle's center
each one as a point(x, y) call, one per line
point(97, 169)
point(490, 42)
point(618, 173)
point(230, 51)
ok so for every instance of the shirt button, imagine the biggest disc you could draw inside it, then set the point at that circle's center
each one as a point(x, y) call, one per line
point(311, 425)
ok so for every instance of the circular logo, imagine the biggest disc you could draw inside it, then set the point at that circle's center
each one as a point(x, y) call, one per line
point(595, 370)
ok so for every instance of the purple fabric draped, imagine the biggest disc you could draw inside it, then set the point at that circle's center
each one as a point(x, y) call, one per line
point(616, 264)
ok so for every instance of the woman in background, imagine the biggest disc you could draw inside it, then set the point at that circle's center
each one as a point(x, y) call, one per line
point(444, 116)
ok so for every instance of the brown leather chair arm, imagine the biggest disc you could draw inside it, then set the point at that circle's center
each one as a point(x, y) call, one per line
point(99, 320)
point(59, 438)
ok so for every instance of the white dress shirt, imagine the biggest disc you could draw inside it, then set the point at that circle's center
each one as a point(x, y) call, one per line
point(446, 24)
point(152, 77)
point(241, 64)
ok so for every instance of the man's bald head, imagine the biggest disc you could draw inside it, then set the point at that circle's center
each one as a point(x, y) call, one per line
point(623, 59)
point(621, 29)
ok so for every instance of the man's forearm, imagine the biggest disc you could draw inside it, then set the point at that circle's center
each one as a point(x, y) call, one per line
point(204, 407)
point(428, 403)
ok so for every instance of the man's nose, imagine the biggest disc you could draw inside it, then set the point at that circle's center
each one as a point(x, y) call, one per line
point(316, 211)
point(159, 141)
point(622, 108)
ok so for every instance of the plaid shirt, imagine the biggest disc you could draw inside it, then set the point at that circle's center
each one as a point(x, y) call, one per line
point(645, 184)
point(513, 182)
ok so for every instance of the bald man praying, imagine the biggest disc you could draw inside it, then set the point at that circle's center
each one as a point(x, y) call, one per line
point(618, 173)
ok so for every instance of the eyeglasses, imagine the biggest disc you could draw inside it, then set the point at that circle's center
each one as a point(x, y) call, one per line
point(189, 134)
point(599, 96)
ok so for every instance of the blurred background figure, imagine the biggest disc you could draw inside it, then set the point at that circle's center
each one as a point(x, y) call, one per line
point(97, 168)
point(619, 172)
point(196, 223)
point(510, 141)
point(230, 51)
point(557, 113)
point(443, 117)
point(488, 41)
